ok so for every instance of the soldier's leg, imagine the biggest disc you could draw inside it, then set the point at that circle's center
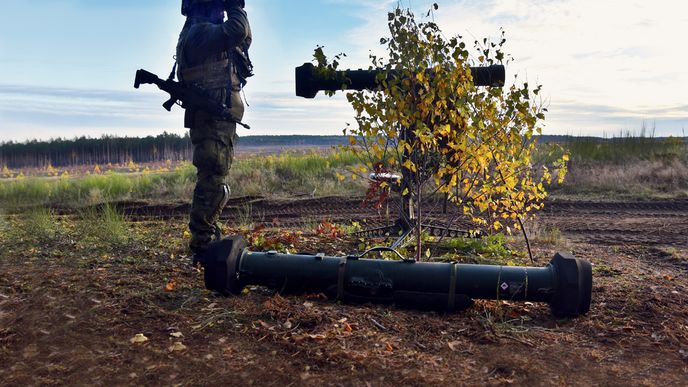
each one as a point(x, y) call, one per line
point(212, 159)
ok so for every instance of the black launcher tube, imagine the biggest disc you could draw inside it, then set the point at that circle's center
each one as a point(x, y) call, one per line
point(309, 81)
point(565, 283)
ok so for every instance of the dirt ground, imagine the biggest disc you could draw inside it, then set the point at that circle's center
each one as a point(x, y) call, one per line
point(72, 314)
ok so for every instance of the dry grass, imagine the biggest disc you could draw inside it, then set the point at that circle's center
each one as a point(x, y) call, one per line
point(638, 178)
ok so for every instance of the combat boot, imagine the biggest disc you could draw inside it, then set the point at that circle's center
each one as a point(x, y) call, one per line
point(198, 258)
point(198, 247)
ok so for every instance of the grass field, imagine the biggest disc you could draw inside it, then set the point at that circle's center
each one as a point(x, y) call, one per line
point(625, 167)
point(289, 174)
point(96, 286)
point(628, 167)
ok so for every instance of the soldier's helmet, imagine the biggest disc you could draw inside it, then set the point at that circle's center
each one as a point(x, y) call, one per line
point(189, 5)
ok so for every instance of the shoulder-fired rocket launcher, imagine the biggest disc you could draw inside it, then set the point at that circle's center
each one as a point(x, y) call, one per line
point(565, 283)
point(309, 81)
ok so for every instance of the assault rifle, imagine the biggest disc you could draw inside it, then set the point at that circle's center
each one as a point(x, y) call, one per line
point(190, 97)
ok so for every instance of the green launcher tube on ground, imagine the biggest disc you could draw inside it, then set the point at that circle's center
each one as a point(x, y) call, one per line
point(565, 283)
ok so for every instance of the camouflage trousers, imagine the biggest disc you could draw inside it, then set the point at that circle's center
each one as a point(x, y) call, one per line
point(213, 153)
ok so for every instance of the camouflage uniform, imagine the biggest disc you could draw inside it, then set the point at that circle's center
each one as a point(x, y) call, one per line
point(204, 58)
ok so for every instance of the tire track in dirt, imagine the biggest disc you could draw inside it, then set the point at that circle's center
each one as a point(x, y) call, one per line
point(662, 222)
point(611, 223)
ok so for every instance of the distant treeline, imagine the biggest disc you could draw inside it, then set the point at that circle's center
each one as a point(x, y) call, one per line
point(120, 150)
point(83, 150)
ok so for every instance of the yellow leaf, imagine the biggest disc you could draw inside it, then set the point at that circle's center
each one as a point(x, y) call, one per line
point(408, 164)
point(177, 346)
point(138, 339)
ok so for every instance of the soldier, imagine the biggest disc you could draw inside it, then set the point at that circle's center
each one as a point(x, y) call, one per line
point(212, 53)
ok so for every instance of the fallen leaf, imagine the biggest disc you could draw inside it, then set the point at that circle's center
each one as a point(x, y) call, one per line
point(453, 345)
point(177, 335)
point(348, 328)
point(177, 346)
point(171, 286)
point(138, 339)
point(317, 337)
point(287, 325)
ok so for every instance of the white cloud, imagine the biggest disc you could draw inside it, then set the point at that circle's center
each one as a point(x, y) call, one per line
point(45, 112)
point(605, 65)
point(626, 56)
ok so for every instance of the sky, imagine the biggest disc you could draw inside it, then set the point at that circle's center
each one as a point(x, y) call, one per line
point(67, 66)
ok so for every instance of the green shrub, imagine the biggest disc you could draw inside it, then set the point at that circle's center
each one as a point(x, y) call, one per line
point(104, 226)
point(490, 249)
point(40, 224)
